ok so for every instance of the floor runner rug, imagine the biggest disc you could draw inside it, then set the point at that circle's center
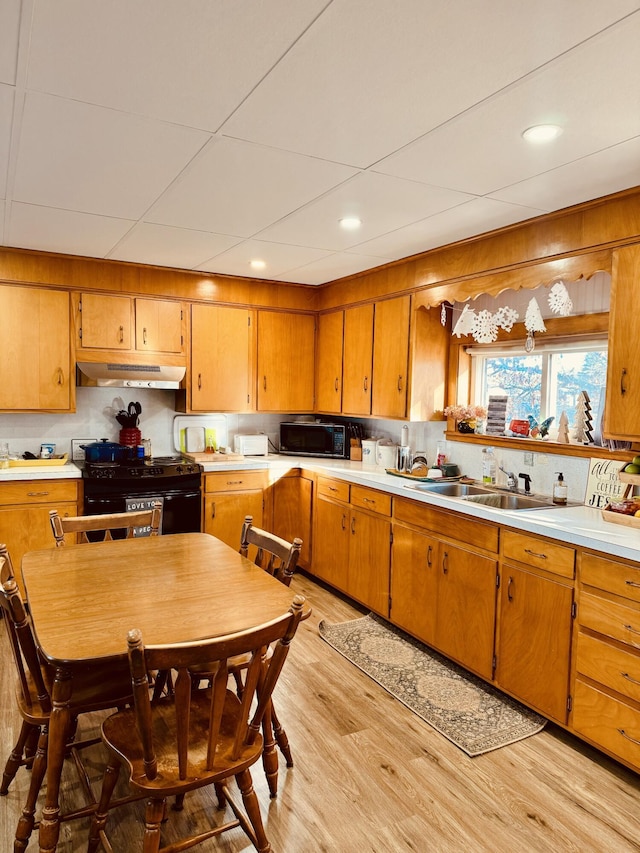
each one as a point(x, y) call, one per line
point(462, 707)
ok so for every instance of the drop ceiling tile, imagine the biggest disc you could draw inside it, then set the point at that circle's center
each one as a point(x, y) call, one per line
point(171, 247)
point(9, 28)
point(383, 203)
point(190, 63)
point(483, 149)
point(370, 76)
point(80, 157)
point(238, 188)
point(6, 112)
point(66, 231)
point(466, 220)
point(277, 257)
point(616, 168)
point(329, 268)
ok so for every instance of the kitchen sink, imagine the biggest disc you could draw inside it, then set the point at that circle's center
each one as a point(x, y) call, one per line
point(451, 490)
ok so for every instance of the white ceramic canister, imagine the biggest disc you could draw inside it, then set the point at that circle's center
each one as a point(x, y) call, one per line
point(386, 454)
point(369, 451)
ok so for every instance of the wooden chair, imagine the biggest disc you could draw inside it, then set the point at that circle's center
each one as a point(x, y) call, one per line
point(95, 689)
point(195, 737)
point(126, 522)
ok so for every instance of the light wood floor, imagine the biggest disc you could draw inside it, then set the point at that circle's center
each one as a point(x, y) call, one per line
point(371, 776)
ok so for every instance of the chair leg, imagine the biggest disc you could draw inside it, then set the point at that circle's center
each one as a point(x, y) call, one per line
point(153, 816)
point(99, 819)
point(269, 754)
point(38, 769)
point(15, 759)
point(252, 806)
point(281, 737)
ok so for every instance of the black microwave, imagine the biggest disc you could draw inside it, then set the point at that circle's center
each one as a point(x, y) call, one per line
point(313, 439)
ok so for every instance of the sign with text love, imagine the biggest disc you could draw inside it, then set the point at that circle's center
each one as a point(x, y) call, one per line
point(603, 483)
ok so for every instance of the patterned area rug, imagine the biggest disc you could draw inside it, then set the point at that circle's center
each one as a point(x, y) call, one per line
point(462, 707)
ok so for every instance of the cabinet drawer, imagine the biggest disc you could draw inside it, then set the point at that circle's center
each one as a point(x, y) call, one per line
point(234, 481)
point(337, 489)
point(370, 499)
point(610, 618)
point(609, 665)
point(611, 575)
point(450, 524)
point(38, 491)
point(539, 553)
point(608, 722)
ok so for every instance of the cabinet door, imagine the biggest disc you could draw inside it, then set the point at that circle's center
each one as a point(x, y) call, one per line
point(329, 363)
point(224, 514)
point(466, 608)
point(331, 543)
point(158, 325)
point(414, 582)
point(286, 368)
point(221, 359)
point(34, 368)
point(292, 512)
point(369, 561)
point(622, 409)
point(390, 358)
point(358, 360)
point(534, 640)
point(106, 322)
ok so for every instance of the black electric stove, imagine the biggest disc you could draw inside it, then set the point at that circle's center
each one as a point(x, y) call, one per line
point(136, 484)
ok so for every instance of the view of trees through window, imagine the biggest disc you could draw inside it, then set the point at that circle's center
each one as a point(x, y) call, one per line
point(544, 384)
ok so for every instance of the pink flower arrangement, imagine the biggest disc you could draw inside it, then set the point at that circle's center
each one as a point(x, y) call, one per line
point(465, 413)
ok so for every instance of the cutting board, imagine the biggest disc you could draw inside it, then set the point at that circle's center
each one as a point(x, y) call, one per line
point(216, 423)
point(214, 457)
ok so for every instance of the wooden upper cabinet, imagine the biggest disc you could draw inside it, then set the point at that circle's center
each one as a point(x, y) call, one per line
point(329, 363)
point(35, 367)
point(358, 360)
point(159, 325)
point(286, 368)
point(106, 322)
point(222, 359)
point(622, 409)
point(391, 358)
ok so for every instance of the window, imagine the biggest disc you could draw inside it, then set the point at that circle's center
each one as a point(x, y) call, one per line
point(543, 383)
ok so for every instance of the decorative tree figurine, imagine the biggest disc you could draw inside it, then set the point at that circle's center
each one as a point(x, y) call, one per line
point(563, 429)
point(584, 420)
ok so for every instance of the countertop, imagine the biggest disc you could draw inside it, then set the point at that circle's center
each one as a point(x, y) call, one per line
point(575, 525)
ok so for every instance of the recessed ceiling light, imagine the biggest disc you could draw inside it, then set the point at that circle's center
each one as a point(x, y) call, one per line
point(350, 223)
point(542, 132)
point(257, 264)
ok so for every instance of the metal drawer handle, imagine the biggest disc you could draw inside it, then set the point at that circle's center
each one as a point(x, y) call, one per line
point(337, 384)
point(199, 382)
point(628, 677)
point(332, 488)
point(366, 383)
point(429, 552)
point(623, 384)
point(632, 629)
point(36, 494)
point(369, 500)
point(213, 509)
point(633, 583)
point(344, 521)
point(445, 563)
point(144, 335)
point(60, 376)
point(628, 737)
point(509, 585)
point(534, 554)
point(121, 334)
point(353, 525)
point(400, 383)
point(234, 482)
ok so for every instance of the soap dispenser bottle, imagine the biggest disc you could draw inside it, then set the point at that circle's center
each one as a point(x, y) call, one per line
point(559, 490)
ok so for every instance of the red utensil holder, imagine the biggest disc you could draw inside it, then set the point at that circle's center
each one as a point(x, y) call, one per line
point(130, 437)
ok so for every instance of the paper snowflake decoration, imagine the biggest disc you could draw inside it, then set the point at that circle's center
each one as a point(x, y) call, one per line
point(505, 317)
point(533, 321)
point(464, 326)
point(559, 300)
point(485, 328)
point(443, 314)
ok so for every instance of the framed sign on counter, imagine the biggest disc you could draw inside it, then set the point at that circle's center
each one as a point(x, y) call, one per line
point(603, 483)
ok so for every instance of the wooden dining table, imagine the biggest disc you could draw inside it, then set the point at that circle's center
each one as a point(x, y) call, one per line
point(84, 599)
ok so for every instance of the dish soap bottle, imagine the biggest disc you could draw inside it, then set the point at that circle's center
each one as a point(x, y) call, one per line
point(488, 467)
point(559, 490)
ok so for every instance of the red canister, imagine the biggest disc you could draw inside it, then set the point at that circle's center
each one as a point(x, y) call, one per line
point(130, 437)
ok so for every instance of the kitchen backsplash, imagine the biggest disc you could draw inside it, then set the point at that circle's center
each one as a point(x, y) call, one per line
point(94, 419)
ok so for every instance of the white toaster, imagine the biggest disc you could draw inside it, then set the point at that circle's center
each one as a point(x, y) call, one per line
point(251, 445)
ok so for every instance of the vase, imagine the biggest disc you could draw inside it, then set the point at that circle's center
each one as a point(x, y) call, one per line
point(468, 426)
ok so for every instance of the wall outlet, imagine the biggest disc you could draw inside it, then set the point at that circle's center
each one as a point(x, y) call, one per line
point(77, 453)
point(528, 457)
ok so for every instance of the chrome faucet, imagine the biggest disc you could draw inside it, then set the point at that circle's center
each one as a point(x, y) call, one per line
point(512, 480)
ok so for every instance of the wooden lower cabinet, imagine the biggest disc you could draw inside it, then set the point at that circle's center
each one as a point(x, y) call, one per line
point(533, 646)
point(228, 497)
point(291, 501)
point(24, 514)
point(369, 559)
point(331, 543)
point(414, 582)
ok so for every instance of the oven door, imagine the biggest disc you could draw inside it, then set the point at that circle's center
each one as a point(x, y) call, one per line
point(181, 510)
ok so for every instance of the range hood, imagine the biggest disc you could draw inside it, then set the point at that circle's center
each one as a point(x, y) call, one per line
point(130, 375)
